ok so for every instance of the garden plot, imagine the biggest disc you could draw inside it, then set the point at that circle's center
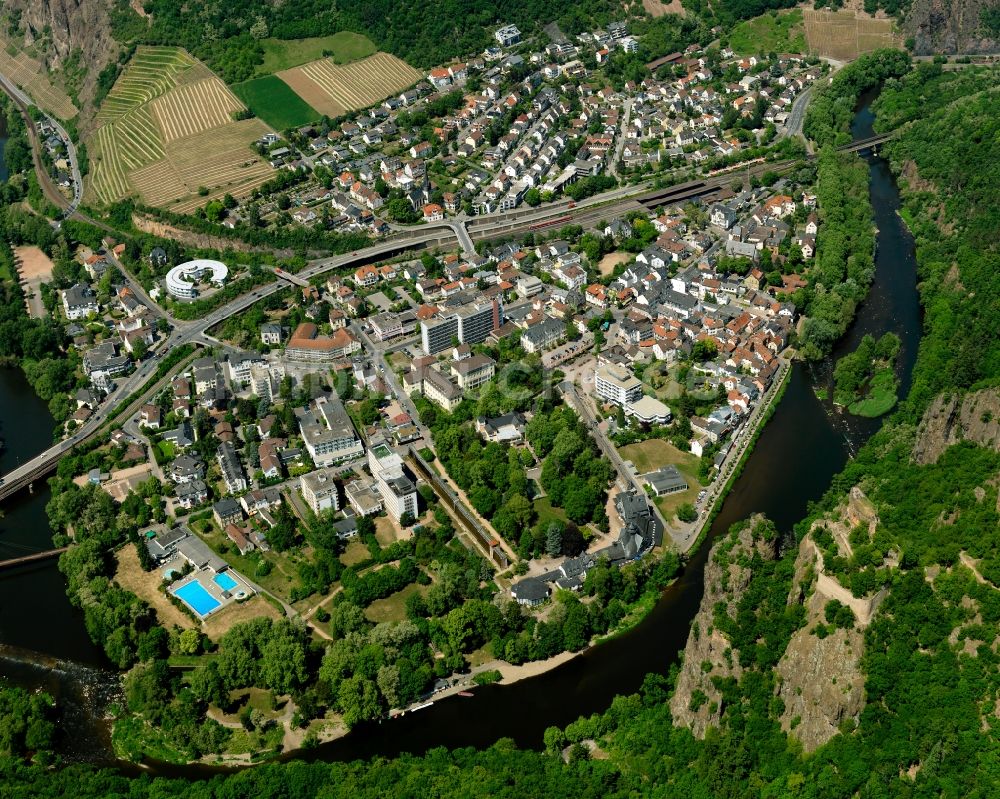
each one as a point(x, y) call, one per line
point(168, 136)
point(846, 34)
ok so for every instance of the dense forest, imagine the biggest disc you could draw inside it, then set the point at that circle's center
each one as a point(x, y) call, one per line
point(865, 380)
point(845, 253)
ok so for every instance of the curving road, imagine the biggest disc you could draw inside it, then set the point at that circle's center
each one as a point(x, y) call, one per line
point(23, 101)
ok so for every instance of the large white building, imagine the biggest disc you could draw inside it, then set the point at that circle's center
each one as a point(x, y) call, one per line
point(398, 492)
point(471, 324)
point(182, 278)
point(328, 432)
point(616, 384)
point(79, 302)
point(319, 489)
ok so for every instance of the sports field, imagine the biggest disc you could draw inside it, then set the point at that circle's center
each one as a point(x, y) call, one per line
point(334, 90)
point(341, 48)
point(167, 132)
point(30, 76)
point(271, 99)
point(846, 34)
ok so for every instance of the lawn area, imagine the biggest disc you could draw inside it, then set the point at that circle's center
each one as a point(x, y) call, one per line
point(654, 453)
point(477, 657)
point(354, 552)
point(399, 360)
point(772, 32)
point(547, 513)
point(273, 100)
point(651, 455)
point(881, 397)
point(393, 607)
point(131, 576)
point(341, 48)
point(386, 532)
point(165, 452)
point(218, 624)
point(284, 565)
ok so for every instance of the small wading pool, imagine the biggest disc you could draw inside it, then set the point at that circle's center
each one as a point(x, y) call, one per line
point(197, 598)
point(225, 581)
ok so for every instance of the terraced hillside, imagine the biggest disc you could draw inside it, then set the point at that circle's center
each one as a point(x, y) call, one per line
point(29, 75)
point(165, 118)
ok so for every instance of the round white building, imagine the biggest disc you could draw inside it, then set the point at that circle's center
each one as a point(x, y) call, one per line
point(180, 279)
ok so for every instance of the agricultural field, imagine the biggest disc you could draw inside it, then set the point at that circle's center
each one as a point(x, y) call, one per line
point(341, 48)
point(846, 34)
point(271, 99)
point(334, 90)
point(194, 108)
point(167, 135)
point(773, 32)
point(151, 72)
point(30, 76)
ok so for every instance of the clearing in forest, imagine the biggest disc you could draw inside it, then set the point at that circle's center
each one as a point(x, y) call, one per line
point(341, 48)
point(31, 77)
point(334, 90)
point(657, 8)
point(167, 136)
point(846, 34)
point(778, 32)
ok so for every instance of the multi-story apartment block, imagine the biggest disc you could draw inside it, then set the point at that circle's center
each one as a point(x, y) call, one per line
point(319, 489)
point(328, 432)
point(616, 384)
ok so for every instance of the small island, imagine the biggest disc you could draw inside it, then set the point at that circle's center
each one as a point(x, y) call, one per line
point(865, 380)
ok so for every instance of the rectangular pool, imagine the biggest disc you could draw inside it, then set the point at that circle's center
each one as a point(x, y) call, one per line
point(225, 581)
point(194, 595)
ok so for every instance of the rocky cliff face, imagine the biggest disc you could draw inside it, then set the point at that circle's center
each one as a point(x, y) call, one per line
point(820, 679)
point(949, 26)
point(55, 28)
point(949, 419)
point(696, 702)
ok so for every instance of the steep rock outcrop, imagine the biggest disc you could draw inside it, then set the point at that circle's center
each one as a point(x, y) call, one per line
point(949, 26)
point(820, 681)
point(697, 702)
point(952, 418)
point(58, 27)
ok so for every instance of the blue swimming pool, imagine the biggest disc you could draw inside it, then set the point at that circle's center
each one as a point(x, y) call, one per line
point(197, 598)
point(225, 581)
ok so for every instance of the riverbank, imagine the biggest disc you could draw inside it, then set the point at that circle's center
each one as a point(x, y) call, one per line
point(732, 466)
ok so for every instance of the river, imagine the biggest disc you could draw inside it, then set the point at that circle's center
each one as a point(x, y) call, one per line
point(803, 446)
